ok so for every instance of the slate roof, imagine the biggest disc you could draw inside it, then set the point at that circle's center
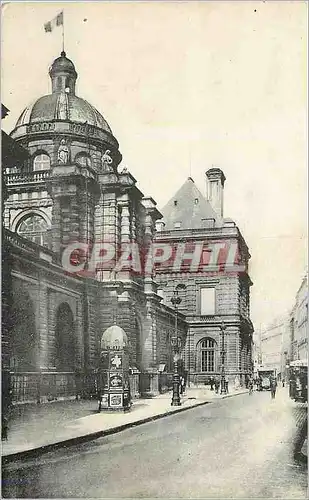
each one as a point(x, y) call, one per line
point(187, 207)
point(75, 108)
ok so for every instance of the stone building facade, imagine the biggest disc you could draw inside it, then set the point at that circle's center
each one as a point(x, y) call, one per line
point(70, 212)
point(299, 323)
point(12, 155)
point(275, 345)
point(71, 190)
point(213, 266)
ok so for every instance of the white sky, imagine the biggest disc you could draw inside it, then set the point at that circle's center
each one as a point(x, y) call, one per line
point(200, 83)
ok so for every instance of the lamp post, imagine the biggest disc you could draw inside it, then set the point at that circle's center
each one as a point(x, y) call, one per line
point(176, 344)
point(223, 384)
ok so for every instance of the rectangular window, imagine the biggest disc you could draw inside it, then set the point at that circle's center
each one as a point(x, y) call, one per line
point(208, 361)
point(208, 301)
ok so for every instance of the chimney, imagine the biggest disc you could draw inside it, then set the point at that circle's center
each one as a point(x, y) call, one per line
point(215, 179)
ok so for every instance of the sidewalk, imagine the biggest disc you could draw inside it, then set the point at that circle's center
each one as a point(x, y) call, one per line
point(39, 428)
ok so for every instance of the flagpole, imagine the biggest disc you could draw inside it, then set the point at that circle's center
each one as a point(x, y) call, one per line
point(63, 32)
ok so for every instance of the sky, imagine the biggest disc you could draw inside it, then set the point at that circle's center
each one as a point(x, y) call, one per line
point(186, 86)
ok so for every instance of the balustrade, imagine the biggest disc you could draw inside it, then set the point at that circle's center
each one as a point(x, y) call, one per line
point(37, 177)
point(18, 241)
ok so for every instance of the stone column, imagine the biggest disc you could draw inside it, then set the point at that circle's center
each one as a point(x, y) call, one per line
point(125, 231)
point(79, 357)
point(51, 331)
point(56, 225)
point(150, 351)
point(87, 217)
point(125, 220)
point(43, 326)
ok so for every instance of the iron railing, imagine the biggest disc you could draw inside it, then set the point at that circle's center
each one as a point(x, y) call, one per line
point(37, 387)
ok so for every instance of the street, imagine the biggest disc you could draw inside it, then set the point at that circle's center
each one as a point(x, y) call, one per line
point(239, 447)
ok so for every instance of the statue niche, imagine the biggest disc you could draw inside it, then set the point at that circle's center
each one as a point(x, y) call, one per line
point(63, 152)
point(107, 162)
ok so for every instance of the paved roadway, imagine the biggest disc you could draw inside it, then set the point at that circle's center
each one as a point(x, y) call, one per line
point(240, 447)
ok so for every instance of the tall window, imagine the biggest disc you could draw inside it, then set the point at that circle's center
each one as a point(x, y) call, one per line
point(207, 355)
point(23, 337)
point(41, 162)
point(65, 338)
point(208, 301)
point(34, 228)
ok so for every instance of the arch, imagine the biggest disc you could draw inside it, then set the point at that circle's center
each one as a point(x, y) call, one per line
point(206, 351)
point(65, 342)
point(40, 161)
point(29, 211)
point(33, 227)
point(83, 159)
point(23, 339)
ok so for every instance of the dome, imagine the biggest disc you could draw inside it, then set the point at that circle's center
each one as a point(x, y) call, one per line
point(62, 106)
point(114, 338)
point(62, 103)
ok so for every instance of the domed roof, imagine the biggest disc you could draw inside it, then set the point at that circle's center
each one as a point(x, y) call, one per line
point(62, 63)
point(62, 106)
point(114, 337)
point(62, 103)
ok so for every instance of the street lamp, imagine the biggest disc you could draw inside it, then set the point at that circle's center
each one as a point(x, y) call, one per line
point(176, 344)
point(223, 383)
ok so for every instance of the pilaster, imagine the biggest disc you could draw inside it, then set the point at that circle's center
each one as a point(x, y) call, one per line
point(43, 326)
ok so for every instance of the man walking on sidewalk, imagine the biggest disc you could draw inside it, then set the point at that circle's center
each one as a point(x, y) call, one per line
point(217, 385)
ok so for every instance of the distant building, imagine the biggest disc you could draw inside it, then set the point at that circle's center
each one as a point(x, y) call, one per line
point(299, 323)
point(257, 353)
point(274, 345)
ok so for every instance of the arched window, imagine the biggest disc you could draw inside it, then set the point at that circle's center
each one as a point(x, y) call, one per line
point(41, 162)
point(83, 160)
point(35, 228)
point(23, 335)
point(65, 338)
point(207, 355)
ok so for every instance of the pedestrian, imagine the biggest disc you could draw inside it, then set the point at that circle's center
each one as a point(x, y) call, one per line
point(212, 383)
point(283, 382)
point(217, 385)
point(273, 387)
point(182, 384)
point(250, 386)
point(259, 384)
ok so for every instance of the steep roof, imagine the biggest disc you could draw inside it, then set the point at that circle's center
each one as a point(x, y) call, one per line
point(187, 207)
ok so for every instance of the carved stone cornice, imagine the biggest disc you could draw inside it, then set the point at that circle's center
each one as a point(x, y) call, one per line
point(29, 204)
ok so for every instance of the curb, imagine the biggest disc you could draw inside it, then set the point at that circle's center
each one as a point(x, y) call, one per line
point(234, 394)
point(33, 453)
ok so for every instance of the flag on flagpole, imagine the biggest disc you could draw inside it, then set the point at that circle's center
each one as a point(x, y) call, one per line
point(57, 21)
